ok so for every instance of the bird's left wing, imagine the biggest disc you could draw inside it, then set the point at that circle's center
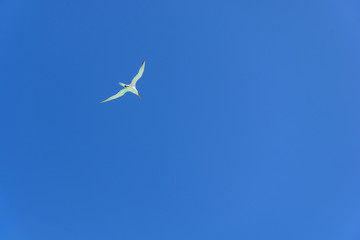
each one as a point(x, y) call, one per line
point(138, 76)
point(119, 94)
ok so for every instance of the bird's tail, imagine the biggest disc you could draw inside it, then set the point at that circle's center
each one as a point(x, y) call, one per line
point(122, 84)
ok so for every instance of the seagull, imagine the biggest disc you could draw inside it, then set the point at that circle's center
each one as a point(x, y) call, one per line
point(129, 88)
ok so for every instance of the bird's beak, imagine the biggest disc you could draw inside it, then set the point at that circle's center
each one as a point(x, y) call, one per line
point(139, 96)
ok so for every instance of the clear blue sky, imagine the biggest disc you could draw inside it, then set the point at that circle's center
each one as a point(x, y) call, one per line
point(248, 126)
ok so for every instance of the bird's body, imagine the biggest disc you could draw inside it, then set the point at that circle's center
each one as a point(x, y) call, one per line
point(129, 88)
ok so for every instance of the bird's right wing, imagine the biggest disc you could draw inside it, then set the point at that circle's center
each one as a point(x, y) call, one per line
point(138, 76)
point(119, 94)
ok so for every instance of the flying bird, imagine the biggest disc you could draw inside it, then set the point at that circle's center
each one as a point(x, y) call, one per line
point(129, 88)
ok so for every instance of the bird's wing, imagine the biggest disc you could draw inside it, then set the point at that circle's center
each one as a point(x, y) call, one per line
point(138, 76)
point(119, 94)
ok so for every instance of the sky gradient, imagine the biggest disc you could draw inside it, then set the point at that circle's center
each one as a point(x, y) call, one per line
point(248, 126)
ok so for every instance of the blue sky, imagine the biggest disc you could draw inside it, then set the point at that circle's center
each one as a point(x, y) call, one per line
point(248, 126)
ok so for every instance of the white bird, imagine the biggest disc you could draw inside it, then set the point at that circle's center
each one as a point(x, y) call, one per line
point(129, 88)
